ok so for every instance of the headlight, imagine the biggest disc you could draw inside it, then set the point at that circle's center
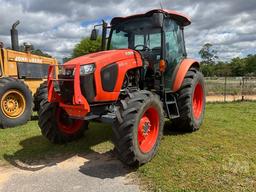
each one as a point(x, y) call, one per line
point(87, 69)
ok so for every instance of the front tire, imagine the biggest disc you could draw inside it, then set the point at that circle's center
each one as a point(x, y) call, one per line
point(16, 102)
point(56, 125)
point(40, 95)
point(191, 102)
point(138, 128)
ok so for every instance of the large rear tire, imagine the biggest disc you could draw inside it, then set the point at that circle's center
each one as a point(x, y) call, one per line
point(16, 102)
point(191, 102)
point(57, 126)
point(138, 128)
point(40, 95)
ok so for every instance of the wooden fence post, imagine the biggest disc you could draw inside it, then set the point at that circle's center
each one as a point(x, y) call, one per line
point(225, 89)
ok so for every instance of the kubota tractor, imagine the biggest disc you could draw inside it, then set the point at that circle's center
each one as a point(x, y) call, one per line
point(142, 78)
point(21, 73)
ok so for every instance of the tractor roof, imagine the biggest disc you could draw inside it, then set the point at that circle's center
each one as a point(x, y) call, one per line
point(180, 18)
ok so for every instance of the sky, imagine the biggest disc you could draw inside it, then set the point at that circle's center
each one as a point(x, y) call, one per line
point(55, 26)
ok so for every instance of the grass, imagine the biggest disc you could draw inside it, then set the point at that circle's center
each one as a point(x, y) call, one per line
point(221, 156)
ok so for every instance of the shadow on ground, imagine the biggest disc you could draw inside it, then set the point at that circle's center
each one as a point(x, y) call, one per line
point(38, 153)
point(34, 117)
point(103, 166)
point(173, 131)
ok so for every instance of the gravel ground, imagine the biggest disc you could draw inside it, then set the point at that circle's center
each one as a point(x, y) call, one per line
point(93, 172)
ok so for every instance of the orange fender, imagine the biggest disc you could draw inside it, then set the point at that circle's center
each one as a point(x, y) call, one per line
point(183, 68)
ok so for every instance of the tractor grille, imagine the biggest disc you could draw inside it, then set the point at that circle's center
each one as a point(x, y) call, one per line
point(65, 87)
point(87, 85)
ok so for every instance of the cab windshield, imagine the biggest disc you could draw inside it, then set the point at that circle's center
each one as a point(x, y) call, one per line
point(138, 33)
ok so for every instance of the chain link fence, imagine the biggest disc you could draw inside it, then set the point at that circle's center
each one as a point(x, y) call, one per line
point(230, 88)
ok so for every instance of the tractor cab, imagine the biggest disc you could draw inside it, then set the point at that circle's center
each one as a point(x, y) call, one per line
point(158, 36)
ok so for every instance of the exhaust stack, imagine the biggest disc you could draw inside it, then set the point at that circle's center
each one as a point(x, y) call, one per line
point(14, 36)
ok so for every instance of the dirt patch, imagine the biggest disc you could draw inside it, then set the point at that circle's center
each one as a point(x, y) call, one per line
point(71, 162)
point(220, 98)
point(5, 174)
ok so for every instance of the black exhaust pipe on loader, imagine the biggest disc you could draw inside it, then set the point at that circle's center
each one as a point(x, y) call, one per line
point(14, 36)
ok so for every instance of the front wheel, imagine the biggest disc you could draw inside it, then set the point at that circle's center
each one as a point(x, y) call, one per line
point(138, 128)
point(191, 102)
point(15, 102)
point(57, 126)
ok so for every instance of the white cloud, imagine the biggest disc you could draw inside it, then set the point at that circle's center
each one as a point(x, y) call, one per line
point(55, 26)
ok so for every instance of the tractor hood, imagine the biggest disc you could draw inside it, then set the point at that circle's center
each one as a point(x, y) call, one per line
point(105, 57)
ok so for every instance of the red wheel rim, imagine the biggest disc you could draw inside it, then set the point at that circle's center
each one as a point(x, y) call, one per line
point(148, 129)
point(198, 100)
point(65, 124)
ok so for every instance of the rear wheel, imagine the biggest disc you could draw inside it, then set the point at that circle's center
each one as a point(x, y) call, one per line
point(15, 101)
point(57, 126)
point(138, 128)
point(191, 102)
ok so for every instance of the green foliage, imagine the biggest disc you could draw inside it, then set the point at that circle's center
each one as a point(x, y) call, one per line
point(66, 59)
point(40, 53)
point(236, 67)
point(86, 46)
point(208, 54)
point(222, 69)
point(208, 70)
point(251, 64)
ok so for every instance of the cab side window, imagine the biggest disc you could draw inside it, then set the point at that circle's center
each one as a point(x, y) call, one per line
point(173, 42)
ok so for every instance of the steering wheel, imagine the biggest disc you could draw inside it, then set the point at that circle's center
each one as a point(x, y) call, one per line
point(143, 46)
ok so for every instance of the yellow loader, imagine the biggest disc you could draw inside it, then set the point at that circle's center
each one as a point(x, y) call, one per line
point(21, 74)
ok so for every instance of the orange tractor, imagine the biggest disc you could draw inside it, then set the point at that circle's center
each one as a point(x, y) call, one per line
point(142, 78)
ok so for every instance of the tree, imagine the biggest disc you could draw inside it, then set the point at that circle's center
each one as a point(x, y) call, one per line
point(86, 46)
point(251, 64)
point(238, 66)
point(208, 54)
point(40, 53)
point(66, 59)
point(222, 69)
point(208, 70)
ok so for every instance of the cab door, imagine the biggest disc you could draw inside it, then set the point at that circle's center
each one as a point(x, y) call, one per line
point(174, 48)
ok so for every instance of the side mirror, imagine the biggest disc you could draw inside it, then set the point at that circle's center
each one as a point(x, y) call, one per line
point(94, 34)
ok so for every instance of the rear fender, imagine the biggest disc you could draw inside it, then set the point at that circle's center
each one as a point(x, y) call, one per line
point(180, 72)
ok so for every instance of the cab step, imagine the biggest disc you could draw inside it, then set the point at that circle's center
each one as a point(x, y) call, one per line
point(170, 104)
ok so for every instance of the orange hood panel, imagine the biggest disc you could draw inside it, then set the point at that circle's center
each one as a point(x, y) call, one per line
point(105, 57)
